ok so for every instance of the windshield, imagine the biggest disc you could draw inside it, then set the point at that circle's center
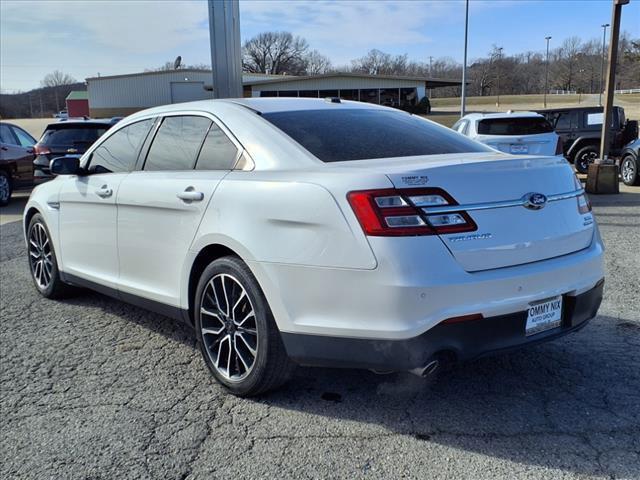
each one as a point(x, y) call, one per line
point(514, 126)
point(357, 134)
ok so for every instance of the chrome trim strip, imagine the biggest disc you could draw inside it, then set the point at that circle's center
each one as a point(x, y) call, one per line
point(502, 204)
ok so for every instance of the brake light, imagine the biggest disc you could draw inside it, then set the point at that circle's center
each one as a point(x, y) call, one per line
point(393, 213)
point(41, 150)
point(584, 205)
point(559, 147)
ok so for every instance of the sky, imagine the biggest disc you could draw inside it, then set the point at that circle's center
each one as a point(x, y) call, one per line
point(87, 37)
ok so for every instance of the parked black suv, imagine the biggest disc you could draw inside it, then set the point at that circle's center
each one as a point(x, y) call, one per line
point(66, 137)
point(580, 130)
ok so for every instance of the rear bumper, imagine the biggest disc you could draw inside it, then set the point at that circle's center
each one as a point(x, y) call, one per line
point(467, 340)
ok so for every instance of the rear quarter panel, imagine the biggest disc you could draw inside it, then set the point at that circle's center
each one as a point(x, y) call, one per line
point(283, 221)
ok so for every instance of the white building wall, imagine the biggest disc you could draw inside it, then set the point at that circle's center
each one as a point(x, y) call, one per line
point(141, 91)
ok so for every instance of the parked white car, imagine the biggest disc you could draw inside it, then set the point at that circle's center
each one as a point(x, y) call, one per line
point(517, 133)
point(334, 233)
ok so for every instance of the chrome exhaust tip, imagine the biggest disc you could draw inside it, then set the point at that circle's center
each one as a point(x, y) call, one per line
point(429, 369)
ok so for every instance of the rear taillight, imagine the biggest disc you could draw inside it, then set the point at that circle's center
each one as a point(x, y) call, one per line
point(41, 150)
point(559, 147)
point(584, 205)
point(393, 213)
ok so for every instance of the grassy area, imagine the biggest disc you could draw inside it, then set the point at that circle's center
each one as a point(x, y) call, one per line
point(534, 100)
point(35, 126)
point(443, 119)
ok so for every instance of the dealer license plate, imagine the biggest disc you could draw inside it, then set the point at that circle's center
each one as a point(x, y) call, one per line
point(544, 315)
point(519, 148)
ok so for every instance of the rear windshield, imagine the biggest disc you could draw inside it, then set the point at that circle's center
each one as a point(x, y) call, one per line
point(71, 136)
point(357, 134)
point(514, 126)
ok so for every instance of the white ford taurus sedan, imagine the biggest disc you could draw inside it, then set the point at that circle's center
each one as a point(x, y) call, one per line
point(320, 232)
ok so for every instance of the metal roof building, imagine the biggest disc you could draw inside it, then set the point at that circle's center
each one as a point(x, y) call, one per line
point(125, 94)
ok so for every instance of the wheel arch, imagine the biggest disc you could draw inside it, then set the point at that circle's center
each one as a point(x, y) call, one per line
point(205, 256)
point(579, 144)
point(31, 211)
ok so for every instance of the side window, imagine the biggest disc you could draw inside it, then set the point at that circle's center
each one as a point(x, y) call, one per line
point(6, 135)
point(119, 152)
point(24, 138)
point(567, 120)
point(218, 152)
point(177, 143)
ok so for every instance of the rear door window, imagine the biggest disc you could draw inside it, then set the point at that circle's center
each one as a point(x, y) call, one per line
point(177, 143)
point(362, 133)
point(566, 120)
point(514, 126)
point(119, 152)
point(218, 151)
point(23, 137)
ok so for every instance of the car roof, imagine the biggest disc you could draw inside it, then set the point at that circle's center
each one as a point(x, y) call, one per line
point(258, 105)
point(481, 116)
point(89, 122)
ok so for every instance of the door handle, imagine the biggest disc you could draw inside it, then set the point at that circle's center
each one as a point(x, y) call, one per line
point(104, 192)
point(190, 195)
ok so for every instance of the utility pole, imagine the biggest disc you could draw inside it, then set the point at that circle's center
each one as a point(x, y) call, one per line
point(464, 63)
point(546, 73)
point(604, 35)
point(498, 67)
point(226, 55)
point(430, 72)
point(602, 176)
point(611, 77)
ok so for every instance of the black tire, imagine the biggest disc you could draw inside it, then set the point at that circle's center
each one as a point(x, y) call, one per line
point(55, 287)
point(6, 188)
point(223, 336)
point(584, 157)
point(629, 170)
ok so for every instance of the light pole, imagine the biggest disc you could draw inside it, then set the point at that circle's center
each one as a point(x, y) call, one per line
point(604, 40)
point(546, 73)
point(498, 81)
point(464, 63)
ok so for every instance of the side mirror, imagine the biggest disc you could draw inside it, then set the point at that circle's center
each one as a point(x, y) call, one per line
point(68, 165)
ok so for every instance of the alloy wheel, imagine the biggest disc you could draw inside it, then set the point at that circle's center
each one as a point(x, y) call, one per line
point(4, 188)
point(586, 159)
point(628, 170)
point(228, 326)
point(40, 256)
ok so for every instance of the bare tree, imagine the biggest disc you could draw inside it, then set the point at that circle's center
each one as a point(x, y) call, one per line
point(56, 79)
point(317, 64)
point(376, 62)
point(275, 53)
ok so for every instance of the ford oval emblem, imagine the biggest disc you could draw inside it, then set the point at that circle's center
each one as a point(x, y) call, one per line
point(534, 201)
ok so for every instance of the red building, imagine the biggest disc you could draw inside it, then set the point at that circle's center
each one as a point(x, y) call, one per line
point(78, 104)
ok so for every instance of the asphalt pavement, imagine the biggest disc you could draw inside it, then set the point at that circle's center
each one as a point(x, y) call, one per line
point(91, 388)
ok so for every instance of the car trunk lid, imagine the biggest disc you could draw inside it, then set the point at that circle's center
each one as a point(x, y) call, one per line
point(492, 189)
point(540, 144)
